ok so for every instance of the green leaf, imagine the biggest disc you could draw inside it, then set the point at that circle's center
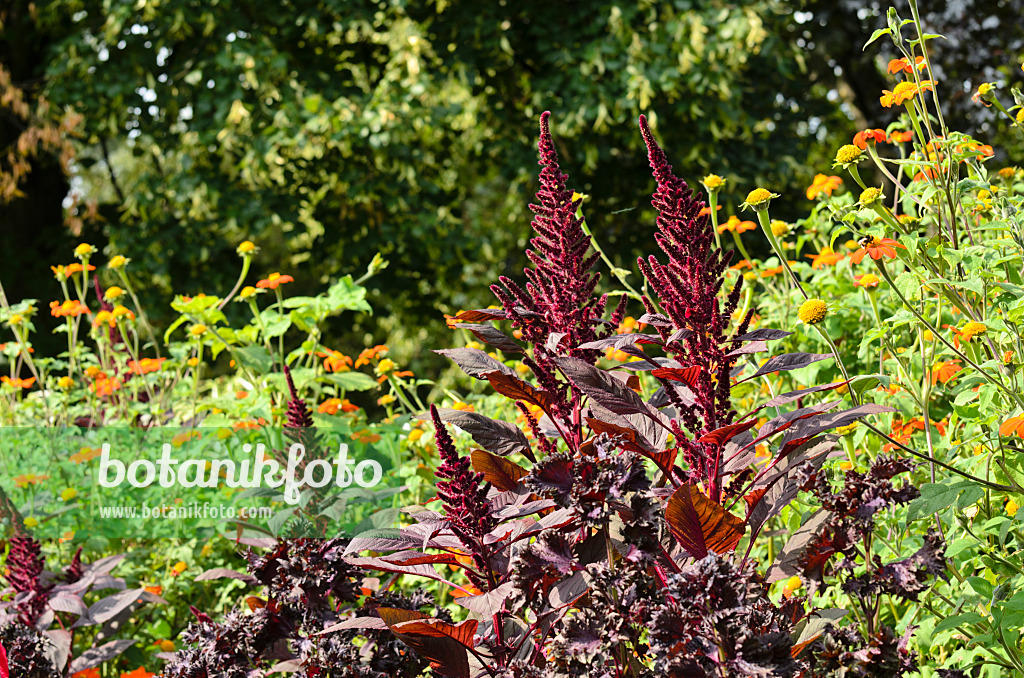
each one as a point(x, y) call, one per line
point(957, 620)
point(936, 497)
point(255, 357)
point(345, 295)
point(875, 36)
point(352, 381)
point(982, 587)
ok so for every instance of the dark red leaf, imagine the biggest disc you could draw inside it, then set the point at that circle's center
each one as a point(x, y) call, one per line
point(493, 336)
point(789, 361)
point(516, 389)
point(499, 472)
point(441, 643)
point(499, 437)
point(687, 375)
point(475, 362)
point(700, 524)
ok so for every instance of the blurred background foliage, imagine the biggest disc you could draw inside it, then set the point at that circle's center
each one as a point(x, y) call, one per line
point(328, 130)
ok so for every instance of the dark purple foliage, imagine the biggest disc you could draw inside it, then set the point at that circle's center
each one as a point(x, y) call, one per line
point(24, 571)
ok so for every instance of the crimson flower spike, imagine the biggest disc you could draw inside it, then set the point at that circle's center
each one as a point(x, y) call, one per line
point(688, 287)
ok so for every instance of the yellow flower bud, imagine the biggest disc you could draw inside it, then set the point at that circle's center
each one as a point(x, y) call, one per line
point(198, 330)
point(812, 311)
point(84, 251)
point(848, 154)
point(247, 247)
point(113, 292)
point(68, 494)
point(118, 262)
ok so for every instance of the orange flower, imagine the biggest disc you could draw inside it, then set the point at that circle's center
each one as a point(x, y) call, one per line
point(332, 405)
point(155, 590)
point(876, 248)
point(27, 479)
point(335, 361)
point(905, 91)
point(249, 424)
point(926, 173)
point(146, 365)
point(1013, 426)
point(775, 270)
point(826, 257)
point(735, 225)
point(138, 673)
point(707, 210)
point(70, 308)
point(18, 383)
point(86, 673)
point(241, 395)
point(274, 280)
point(369, 354)
point(823, 184)
point(743, 263)
point(984, 149)
point(85, 454)
point(71, 269)
point(897, 65)
point(105, 386)
point(464, 407)
point(945, 370)
point(860, 139)
point(898, 137)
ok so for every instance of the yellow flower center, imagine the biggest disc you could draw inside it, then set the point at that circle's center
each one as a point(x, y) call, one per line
point(713, 182)
point(247, 292)
point(117, 262)
point(114, 292)
point(971, 330)
point(812, 311)
point(869, 280)
point(247, 247)
point(198, 330)
point(779, 228)
point(758, 197)
point(84, 250)
point(848, 154)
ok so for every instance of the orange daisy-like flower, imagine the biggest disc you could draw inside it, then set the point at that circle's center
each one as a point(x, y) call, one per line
point(903, 92)
point(823, 184)
point(105, 386)
point(707, 211)
point(138, 673)
point(775, 270)
point(900, 137)
point(70, 308)
point(926, 173)
point(876, 248)
point(826, 257)
point(71, 269)
point(897, 65)
point(735, 225)
point(18, 383)
point(332, 405)
point(251, 423)
point(986, 150)
point(1013, 426)
point(860, 139)
point(86, 454)
point(741, 264)
point(86, 673)
point(273, 281)
point(335, 361)
point(146, 365)
point(945, 370)
point(27, 479)
point(367, 355)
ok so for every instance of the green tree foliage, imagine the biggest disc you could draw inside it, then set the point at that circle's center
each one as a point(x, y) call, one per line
point(327, 131)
